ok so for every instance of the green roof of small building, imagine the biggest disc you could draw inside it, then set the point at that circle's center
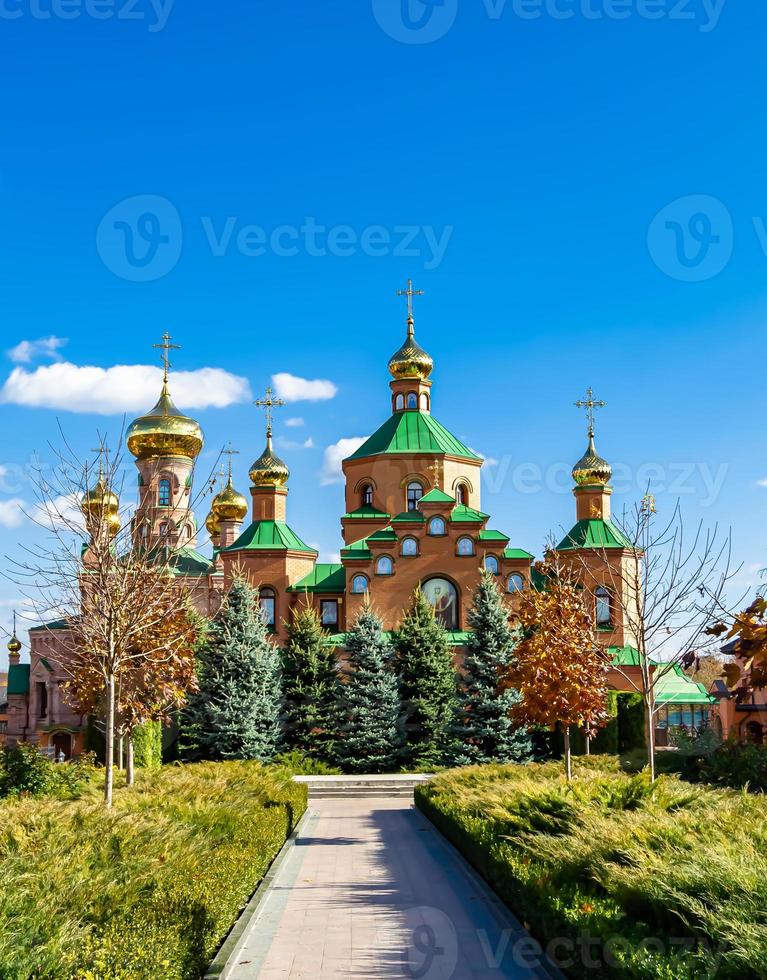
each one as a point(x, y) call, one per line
point(437, 496)
point(413, 432)
point(594, 533)
point(366, 513)
point(322, 578)
point(517, 553)
point(673, 686)
point(488, 535)
point(18, 679)
point(187, 561)
point(461, 514)
point(383, 534)
point(357, 550)
point(408, 517)
point(269, 536)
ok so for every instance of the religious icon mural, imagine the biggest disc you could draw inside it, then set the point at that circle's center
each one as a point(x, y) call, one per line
point(444, 598)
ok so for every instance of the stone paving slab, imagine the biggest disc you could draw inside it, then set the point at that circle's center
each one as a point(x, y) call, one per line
point(369, 889)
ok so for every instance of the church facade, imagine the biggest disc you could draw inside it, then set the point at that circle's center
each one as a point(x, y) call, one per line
point(412, 517)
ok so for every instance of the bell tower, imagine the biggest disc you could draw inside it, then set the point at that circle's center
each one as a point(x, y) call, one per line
point(410, 366)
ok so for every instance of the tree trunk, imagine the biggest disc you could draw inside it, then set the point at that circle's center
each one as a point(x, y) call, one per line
point(587, 738)
point(568, 756)
point(129, 770)
point(650, 734)
point(109, 761)
point(120, 753)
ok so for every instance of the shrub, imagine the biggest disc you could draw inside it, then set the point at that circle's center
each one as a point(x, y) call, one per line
point(147, 745)
point(303, 764)
point(148, 889)
point(738, 765)
point(24, 771)
point(664, 880)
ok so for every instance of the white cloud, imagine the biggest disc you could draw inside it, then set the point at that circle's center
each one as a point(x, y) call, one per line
point(762, 483)
point(11, 512)
point(290, 444)
point(294, 389)
point(59, 513)
point(122, 388)
point(294, 423)
point(29, 350)
point(334, 456)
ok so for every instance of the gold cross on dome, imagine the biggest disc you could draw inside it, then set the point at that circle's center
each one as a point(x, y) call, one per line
point(590, 403)
point(103, 451)
point(230, 452)
point(268, 403)
point(410, 293)
point(166, 346)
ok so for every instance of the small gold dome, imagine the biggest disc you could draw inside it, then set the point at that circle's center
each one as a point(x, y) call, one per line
point(269, 470)
point(591, 469)
point(102, 504)
point(164, 431)
point(411, 360)
point(212, 525)
point(228, 505)
point(14, 644)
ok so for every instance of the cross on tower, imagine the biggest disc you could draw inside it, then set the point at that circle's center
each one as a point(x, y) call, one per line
point(436, 469)
point(103, 451)
point(268, 403)
point(165, 346)
point(230, 452)
point(410, 293)
point(590, 403)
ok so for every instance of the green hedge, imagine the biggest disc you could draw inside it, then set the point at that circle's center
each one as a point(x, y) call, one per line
point(147, 890)
point(147, 745)
point(635, 879)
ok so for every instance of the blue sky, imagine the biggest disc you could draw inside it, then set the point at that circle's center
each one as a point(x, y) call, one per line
point(581, 197)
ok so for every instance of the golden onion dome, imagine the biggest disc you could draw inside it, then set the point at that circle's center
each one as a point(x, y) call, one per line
point(14, 644)
point(100, 503)
point(212, 525)
point(164, 431)
point(228, 505)
point(411, 360)
point(591, 469)
point(269, 470)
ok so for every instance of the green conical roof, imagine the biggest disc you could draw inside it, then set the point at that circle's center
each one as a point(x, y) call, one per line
point(413, 432)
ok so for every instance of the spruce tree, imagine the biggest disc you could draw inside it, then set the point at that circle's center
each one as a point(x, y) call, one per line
point(236, 712)
point(311, 686)
point(370, 739)
point(484, 730)
point(427, 685)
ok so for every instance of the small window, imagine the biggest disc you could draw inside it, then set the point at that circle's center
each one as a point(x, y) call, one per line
point(42, 699)
point(267, 603)
point(367, 495)
point(384, 565)
point(329, 612)
point(414, 494)
point(359, 585)
point(164, 529)
point(424, 402)
point(465, 546)
point(603, 610)
point(436, 526)
point(412, 400)
point(399, 402)
point(516, 582)
point(409, 547)
point(491, 564)
point(460, 494)
point(163, 496)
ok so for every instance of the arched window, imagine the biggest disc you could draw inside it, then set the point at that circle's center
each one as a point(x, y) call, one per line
point(412, 400)
point(414, 494)
point(367, 495)
point(384, 565)
point(163, 494)
point(359, 585)
point(164, 529)
point(444, 598)
point(491, 564)
point(267, 602)
point(436, 526)
point(399, 402)
point(603, 611)
point(516, 582)
point(424, 402)
point(465, 546)
point(461, 497)
point(409, 547)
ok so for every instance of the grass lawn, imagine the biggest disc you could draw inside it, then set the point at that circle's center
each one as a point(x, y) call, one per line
point(631, 879)
point(147, 890)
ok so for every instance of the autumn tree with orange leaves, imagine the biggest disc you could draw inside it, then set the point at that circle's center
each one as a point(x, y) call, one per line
point(558, 667)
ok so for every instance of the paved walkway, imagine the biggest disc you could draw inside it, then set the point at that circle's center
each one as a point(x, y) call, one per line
point(370, 890)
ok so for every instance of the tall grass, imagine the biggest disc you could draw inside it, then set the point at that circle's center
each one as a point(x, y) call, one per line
point(147, 890)
point(670, 879)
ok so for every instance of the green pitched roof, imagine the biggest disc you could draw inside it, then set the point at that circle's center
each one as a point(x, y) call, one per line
point(413, 432)
point(18, 679)
point(384, 534)
point(187, 561)
point(409, 517)
point(437, 496)
point(461, 514)
point(357, 549)
point(366, 513)
point(517, 553)
point(322, 578)
point(596, 534)
point(269, 536)
point(56, 624)
point(488, 535)
point(673, 685)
